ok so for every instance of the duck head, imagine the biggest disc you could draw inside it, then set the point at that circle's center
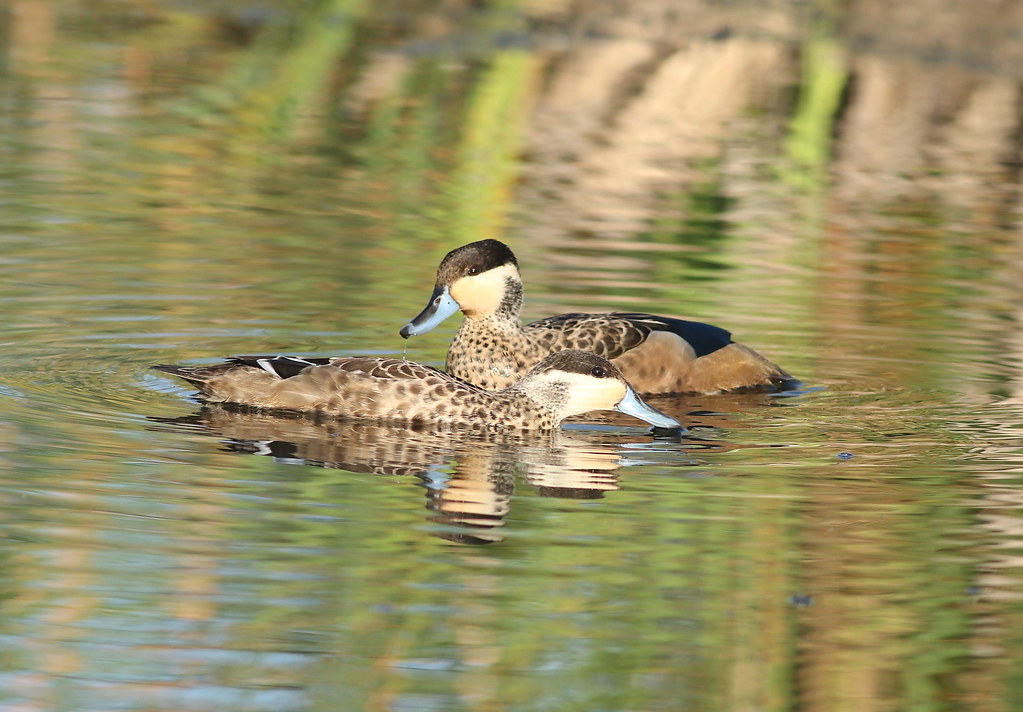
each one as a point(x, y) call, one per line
point(481, 278)
point(574, 382)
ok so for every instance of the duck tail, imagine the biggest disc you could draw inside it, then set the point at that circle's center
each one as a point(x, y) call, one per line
point(196, 375)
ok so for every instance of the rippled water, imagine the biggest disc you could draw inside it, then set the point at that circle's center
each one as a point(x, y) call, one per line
point(178, 184)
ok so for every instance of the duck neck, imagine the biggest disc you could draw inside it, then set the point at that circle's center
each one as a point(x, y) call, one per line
point(495, 330)
point(510, 306)
point(538, 410)
point(550, 397)
point(491, 349)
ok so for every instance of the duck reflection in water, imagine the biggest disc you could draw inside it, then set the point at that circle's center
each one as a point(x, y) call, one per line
point(469, 476)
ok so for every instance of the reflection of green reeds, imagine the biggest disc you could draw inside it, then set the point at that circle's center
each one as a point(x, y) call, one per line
point(824, 79)
point(448, 171)
point(487, 165)
point(402, 152)
point(284, 70)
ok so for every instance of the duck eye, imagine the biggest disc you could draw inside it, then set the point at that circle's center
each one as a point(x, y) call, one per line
point(474, 270)
point(598, 372)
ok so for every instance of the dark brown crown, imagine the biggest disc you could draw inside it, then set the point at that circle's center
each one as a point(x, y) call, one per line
point(474, 258)
point(584, 362)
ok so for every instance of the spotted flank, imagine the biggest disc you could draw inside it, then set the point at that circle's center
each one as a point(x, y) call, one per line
point(657, 354)
point(566, 383)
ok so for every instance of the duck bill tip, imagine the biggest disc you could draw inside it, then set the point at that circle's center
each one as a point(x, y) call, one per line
point(632, 404)
point(440, 307)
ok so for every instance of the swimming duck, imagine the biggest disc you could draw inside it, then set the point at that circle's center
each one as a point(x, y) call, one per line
point(566, 383)
point(657, 354)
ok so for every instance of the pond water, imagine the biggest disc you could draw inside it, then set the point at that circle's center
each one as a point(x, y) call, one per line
point(185, 181)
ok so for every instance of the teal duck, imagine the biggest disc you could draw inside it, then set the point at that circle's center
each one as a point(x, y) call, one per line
point(567, 383)
point(657, 354)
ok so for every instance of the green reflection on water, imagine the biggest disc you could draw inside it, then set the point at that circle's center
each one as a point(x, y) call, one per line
point(278, 78)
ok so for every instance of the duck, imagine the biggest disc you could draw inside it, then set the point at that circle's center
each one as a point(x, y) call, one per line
point(658, 355)
point(567, 383)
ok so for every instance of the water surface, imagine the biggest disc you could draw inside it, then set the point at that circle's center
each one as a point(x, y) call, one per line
point(181, 183)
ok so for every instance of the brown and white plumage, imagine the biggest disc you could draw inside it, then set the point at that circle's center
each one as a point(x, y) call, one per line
point(567, 383)
point(657, 354)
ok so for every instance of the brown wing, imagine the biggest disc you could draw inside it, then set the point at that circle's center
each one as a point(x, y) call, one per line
point(389, 369)
point(602, 334)
point(611, 335)
point(393, 369)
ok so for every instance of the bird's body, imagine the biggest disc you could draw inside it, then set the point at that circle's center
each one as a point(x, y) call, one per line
point(387, 389)
point(657, 354)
